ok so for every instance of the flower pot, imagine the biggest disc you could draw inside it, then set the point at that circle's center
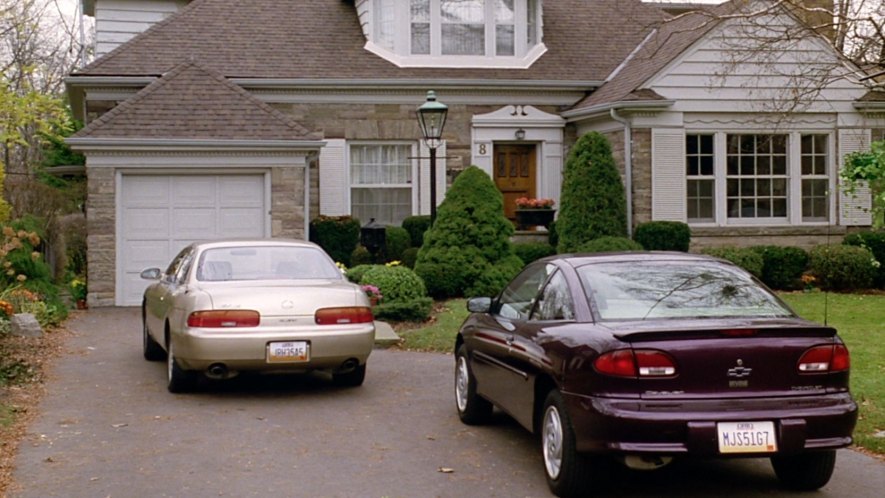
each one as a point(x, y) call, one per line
point(81, 304)
point(529, 219)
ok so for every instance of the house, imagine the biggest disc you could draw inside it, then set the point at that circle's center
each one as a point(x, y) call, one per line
point(215, 118)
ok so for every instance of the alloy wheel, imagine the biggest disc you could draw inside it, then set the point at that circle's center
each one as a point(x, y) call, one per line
point(552, 441)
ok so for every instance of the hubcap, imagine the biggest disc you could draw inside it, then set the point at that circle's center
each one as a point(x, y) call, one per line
point(551, 438)
point(461, 382)
point(170, 362)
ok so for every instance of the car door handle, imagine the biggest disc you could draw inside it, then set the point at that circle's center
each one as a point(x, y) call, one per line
point(510, 340)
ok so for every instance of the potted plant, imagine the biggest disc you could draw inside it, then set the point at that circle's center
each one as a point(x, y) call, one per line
point(373, 292)
point(78, 293)
point(532, 212)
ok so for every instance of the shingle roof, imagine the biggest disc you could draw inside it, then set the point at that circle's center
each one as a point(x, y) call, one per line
point(322, 39)
point(192, 102)
point(873, 96)
point(661, 48)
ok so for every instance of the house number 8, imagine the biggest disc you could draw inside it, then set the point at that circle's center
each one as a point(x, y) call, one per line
point(482, 149)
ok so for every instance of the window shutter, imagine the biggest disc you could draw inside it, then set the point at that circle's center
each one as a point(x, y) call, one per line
point(334, 184)
point(854, 209)
point(668, 175)
point(424, 175)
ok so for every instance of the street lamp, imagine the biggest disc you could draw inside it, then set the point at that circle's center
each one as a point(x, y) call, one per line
point(432, 119)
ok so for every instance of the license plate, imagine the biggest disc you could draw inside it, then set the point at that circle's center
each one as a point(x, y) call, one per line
point(746, 437)
point(288, 352)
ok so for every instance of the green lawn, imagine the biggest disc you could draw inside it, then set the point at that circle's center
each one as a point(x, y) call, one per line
point(860, 320)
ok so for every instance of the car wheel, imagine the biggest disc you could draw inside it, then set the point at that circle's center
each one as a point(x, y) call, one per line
point(151, 349)
point(178, 380)
point(472, 408)
point(806, 471)
point(568, 472)
point(354, 378)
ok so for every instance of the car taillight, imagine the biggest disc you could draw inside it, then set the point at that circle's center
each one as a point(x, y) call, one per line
point(339, 316)
point(223, 318)
point(639, 363)
point(825, 359)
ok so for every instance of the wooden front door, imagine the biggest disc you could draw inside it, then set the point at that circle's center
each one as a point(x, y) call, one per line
point(515, 173)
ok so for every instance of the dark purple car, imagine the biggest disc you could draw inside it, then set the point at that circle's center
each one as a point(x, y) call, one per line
point(650, 356)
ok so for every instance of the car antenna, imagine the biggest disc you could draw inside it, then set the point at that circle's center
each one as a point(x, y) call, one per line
point(829, 263)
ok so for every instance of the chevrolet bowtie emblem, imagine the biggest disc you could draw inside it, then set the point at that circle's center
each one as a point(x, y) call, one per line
point(740, 371)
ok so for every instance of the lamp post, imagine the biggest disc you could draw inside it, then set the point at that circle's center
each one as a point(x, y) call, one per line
point(432, 119)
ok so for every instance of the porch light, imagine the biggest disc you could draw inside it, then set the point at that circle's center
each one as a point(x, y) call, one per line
point(520, 134)
point(432, 119)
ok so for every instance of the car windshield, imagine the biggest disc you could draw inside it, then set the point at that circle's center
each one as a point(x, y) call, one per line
point(674, 289)
point(265, 263)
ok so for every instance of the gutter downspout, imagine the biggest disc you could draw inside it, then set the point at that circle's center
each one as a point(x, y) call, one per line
point(628, 167)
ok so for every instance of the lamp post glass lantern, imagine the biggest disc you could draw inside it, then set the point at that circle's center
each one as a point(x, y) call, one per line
point(432, 119)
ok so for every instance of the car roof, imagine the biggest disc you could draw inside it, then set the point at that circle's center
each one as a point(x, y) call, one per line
point(215, 244)
point(581, 259)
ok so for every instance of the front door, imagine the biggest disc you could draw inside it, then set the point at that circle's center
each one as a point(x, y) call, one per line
point(514, 173)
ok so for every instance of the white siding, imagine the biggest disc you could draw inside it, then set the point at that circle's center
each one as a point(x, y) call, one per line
point(854, 208)
point(116, 21)
point(668, 174)
point(721, 73)
point(334, 183)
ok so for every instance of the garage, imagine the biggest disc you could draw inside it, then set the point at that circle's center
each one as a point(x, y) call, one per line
point(160, 214)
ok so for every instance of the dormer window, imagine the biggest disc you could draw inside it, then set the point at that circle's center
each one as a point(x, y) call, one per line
point(455, 33)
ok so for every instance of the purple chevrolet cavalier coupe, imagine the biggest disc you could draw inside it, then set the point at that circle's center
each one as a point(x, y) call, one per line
point(650, 356)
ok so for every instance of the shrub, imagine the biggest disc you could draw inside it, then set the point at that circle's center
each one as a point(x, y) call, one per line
point(746, 258)
point(842, 267)
point(337, 235)
point(396, 283)
point(552, 234)
point(493, 279)
point(416, 226)
point(593, 201)
point(21, 260)
point(609, 244)
point(361, 256)
point(398, 240)
point(410, 255)
point(469, 236)
point(355, 274)
point(416, 310)
point(663, 236)
point(782, 267)
point(874, 241)
point(531, 251)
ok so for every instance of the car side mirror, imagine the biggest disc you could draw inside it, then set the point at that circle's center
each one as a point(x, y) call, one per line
point(479, 304)
point(151, 274)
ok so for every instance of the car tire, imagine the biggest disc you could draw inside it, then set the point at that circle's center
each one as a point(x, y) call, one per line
point(568, 472)
point(178, 380)
point(473, 409)
point(151, 349)
point(805, 471)
point(354, 378)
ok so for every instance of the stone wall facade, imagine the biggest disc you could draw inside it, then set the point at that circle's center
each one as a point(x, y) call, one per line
point(101, 242)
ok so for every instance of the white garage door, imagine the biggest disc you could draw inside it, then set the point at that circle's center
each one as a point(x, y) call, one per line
point(160, 214)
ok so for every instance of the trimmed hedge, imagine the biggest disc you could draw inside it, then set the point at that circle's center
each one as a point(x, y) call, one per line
point(396, 283)
point(609, 244)
point(410, 255)
point(842, 267)
point(745, 257)
point(356, 273)
point(663, 236)
point(416, 226)
point(337, 235)
point(397, 240)
point(782, 267)
point(874, 241)
point(416, 310)
point(531, 251)
point(361, 256)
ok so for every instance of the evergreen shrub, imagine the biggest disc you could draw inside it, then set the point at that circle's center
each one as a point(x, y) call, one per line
point(842, 267)
point(396, 283)
point(609, 244)
point(470, 235)
point(361, 256)
point(593, 202)
point(663, 236)
point(874, 241)
point(416, 310)
point(410, 255)
point(416, 226)
point(337, 235)
point(745, 257)
point(782, 267)
point(355, 274)
point(531, 251)
point(397, 240)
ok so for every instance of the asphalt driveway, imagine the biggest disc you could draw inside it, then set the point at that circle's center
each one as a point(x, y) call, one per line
point(109, 428)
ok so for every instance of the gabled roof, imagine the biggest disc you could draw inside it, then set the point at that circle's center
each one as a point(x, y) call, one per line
point(322, 39)
point(661, 47)
point(191, 102)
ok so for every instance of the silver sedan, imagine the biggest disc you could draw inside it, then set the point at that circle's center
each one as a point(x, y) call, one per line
point(258, 305)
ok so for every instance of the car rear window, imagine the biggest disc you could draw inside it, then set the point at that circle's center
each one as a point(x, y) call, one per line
point(674, 289)
point(265, 263)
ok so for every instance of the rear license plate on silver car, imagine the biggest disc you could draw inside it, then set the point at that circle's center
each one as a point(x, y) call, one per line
point(288, 352)
point(746, 437)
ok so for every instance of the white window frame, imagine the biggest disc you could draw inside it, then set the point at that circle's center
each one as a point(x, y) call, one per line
point(413, 159)
point(794, 179)
point(702, 177)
